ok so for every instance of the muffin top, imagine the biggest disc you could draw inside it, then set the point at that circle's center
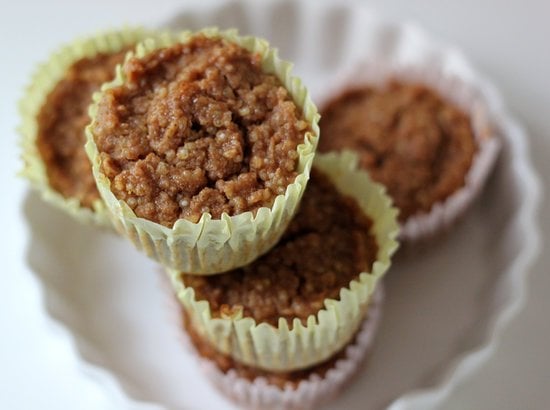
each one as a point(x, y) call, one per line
point(408, 138)
point(198, 128)
point(61, 122)
point(326, 246)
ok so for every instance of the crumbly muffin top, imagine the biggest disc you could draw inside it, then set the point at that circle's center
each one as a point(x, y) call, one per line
point(61, 123)
point(408, 138)
point(326, 246)
point(282, 380)
point(198, 127)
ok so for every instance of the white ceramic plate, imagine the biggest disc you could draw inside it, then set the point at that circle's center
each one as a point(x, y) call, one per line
point(445, 305)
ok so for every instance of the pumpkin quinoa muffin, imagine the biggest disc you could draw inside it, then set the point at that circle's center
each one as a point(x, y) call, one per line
point(61, 123)
point(326, 246)
point(410, 139)
point(54, 116)
point(198, 127)
point(201, 148)
point(319, 262)
point(251, 387)
point(302, 301)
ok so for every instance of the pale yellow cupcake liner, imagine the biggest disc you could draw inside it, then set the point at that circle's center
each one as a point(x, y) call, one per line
point(213, 245)
point(459, 90)
point(310, 392)
point(47, 75)
point(285, 347)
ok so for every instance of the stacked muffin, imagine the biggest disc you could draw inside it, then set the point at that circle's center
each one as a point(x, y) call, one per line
point(201, 146)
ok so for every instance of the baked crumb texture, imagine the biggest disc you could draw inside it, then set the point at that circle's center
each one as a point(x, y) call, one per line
point(198, 128)
point(61, 122)
point(302, 301)
point(410, 139)
point(326, 246)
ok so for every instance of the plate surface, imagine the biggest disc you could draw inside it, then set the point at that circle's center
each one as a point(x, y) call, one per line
point(444, 304)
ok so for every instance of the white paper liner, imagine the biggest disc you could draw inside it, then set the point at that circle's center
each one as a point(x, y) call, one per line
point(259, 394)
point(436, 75)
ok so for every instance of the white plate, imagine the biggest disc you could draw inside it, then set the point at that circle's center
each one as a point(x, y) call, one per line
point(445, 305)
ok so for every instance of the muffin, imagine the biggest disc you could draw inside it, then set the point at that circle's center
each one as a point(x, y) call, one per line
point(430, 153)
point(54, 116)
point(303, 301)
point(201, 148)
point(250, 387)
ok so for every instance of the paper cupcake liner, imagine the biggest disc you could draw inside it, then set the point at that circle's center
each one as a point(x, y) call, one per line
point(298, 346)
point(44, 80)
point(259, 394)
point(455, 89)
point(214, 245)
